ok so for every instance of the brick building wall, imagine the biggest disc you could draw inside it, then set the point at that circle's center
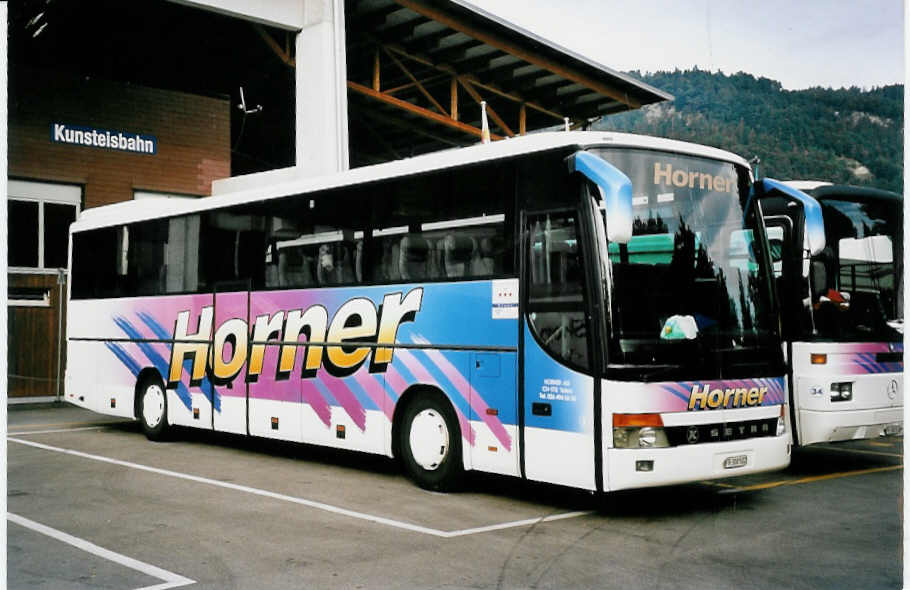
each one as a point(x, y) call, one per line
point(193, 149)
point(193, 134)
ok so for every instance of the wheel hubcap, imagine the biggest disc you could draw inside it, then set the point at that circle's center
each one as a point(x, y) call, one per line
point(429, 439)
point(153, 405)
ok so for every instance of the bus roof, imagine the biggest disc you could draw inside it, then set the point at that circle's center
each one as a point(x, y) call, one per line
point(827, 190)
point(133, 211)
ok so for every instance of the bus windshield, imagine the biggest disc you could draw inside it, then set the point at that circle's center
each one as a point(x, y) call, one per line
point(689, 294)
point(857, 280)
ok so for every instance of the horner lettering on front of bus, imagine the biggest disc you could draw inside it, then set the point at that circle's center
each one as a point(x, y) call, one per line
point(357, 320)
point(705, 398)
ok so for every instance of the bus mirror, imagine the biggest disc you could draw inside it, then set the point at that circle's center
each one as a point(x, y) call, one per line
point(812, 210)
point(617, 192)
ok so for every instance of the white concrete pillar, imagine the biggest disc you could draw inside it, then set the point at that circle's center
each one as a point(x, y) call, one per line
point(322, 103)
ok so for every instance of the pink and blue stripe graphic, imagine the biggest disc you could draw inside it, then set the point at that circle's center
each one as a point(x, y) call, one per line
point(457, 315)
point(863, 358)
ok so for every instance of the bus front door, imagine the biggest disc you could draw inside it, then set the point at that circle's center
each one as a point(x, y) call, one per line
point(558, 392)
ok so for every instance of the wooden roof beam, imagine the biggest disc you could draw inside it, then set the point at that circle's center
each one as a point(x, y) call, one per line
point(416, 82)
point(476, 96)
point(473, 80)
point(417, 110)
point(510, 47)
point(278, 50)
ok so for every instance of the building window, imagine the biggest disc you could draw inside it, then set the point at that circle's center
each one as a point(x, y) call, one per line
point(39, 216)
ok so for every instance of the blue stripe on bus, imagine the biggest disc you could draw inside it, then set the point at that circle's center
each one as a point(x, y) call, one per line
point(182, 392)
point(160, 332)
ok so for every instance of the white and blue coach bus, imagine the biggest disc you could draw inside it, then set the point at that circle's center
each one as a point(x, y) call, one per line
point(588, 309)
point(842, 312)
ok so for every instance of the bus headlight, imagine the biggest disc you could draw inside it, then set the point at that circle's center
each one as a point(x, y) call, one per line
point(842, 392)
point(639, 438)
point(647, 437)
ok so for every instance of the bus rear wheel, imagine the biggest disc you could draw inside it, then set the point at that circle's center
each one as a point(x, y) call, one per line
point(430, 444)
point(152, 408)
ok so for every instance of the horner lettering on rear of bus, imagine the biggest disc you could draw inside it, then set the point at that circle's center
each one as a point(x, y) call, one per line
point(667, 175)
point(356, 321)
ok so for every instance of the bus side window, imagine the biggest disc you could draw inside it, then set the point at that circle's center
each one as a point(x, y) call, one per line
point(556, 306)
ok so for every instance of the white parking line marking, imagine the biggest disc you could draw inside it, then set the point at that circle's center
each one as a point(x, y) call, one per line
point(517, 523)
point(302, 501)
point(57, 430)
point(171, 580)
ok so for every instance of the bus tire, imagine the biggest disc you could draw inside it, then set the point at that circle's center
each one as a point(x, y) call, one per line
point(152, 407)
point(430, 444)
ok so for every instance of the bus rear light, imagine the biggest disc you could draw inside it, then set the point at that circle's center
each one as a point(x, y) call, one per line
point(625, 420)
point(781, 422)
point(818, 359)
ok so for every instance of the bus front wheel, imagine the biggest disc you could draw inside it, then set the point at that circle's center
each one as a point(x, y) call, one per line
point(152, 408)
point(430, 444)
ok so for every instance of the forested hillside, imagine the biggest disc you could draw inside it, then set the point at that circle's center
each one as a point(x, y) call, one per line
point(847, 136)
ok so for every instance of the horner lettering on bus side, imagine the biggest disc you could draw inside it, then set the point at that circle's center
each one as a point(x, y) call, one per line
point(705, 398)
point(357, 320)
point(665, 174)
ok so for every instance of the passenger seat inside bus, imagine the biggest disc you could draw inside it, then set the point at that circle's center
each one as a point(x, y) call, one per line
point(482, 262)
point(414, 257)
point(457, 255)
point(294, 269)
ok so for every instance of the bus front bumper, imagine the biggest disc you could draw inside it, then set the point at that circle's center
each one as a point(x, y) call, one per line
point(831, 426)
point(628, 468)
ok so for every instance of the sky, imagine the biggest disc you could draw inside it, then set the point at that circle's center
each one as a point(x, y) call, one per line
point(800, 43)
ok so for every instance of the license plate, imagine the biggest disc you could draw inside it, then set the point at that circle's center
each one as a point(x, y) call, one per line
point(736, 461)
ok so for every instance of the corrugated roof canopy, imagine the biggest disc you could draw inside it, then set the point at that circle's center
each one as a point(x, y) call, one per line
point(418, 70)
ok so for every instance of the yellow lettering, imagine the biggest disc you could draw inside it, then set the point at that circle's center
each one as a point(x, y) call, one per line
point(698, 398)
point(197, 346)
point(728, 393)
point(236, 330)
point(715, 397)
point(266, 328)
point(313, 323)
point(395, 310)
point(752, 397)
point(739, 399)
point(761, 394)
point(355, 320)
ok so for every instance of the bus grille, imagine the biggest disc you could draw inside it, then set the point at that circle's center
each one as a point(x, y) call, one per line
point(722, 431)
